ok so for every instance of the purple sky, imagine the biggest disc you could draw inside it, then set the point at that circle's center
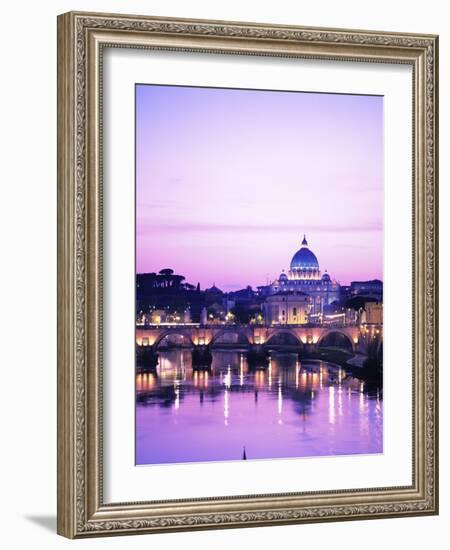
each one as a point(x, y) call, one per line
point(227, 182)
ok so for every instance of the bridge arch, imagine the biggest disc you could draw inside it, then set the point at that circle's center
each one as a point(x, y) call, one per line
point(241, 337)
point(336, 338)
point(182, 335)
point(283, 337)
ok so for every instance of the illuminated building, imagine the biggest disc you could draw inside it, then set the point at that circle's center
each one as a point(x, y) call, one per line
point(304, 277)
point(288, 307)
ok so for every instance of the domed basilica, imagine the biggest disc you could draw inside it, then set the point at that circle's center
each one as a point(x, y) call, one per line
point(303, 287)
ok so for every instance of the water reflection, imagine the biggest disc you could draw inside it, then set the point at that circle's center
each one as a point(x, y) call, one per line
point(290, 409)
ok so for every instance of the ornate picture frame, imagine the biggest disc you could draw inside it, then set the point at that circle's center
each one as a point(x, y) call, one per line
point(82, 38)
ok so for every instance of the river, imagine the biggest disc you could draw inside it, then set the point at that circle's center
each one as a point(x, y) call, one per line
point(289, 409)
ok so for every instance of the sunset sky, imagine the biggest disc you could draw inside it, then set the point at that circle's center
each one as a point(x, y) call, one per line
point(228, 181)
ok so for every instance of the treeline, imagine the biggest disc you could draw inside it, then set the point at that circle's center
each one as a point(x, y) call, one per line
point(164, 279)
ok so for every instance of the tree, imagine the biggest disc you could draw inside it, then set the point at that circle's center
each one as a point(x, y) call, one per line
point(177, 280)
point(166, 277)
point(373, 365)
point(166, 272)
point(242, 314)
point(357, 302)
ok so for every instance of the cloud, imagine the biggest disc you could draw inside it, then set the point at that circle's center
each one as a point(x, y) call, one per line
point(308, 229)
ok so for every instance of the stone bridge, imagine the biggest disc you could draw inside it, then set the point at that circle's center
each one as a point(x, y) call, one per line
point(219, 335)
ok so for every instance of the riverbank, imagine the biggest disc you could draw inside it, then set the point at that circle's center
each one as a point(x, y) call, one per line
point(355, 365)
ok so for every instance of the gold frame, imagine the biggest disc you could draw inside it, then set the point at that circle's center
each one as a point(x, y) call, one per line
point(81, 37)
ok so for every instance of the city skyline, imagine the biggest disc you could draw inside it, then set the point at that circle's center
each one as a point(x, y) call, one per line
point(228, 181)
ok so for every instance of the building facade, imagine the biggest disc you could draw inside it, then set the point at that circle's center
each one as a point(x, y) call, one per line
point(287, 307)
point(372, 313)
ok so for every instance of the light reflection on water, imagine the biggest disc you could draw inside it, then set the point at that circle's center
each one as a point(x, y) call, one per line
point(290, 409)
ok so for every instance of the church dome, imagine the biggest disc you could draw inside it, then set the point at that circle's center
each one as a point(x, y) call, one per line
point(214, 290)
point(326, 278)
point(304, 259)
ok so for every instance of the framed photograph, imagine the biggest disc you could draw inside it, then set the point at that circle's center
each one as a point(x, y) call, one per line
point(247, 274)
